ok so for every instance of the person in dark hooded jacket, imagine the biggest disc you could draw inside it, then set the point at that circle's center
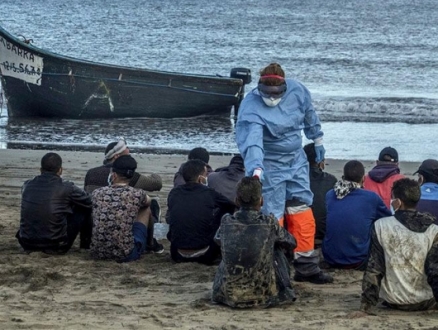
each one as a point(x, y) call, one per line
point(224, 180)
point(196, 153)
point(320, 183)
point(402, 268)
point(382, 176)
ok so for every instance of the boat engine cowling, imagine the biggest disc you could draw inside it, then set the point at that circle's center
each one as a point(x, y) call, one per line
point(245, 75)
point(241, 73)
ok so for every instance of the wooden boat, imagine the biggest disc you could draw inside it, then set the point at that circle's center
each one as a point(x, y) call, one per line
point(40, 83)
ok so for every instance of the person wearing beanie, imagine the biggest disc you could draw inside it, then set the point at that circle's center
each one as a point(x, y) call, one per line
point(382, 176)
point(196, 153)
point(98, 177)
point(122, 218)
point(428, 179)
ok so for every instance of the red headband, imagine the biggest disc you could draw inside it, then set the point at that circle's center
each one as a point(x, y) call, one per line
point(272, 76)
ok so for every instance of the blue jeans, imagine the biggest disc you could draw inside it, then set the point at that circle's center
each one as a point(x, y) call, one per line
point(140, 232)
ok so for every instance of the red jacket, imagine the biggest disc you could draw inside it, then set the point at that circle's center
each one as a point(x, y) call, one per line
point(380, 180)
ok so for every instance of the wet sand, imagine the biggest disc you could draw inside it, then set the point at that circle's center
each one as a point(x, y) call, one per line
point(38, 291)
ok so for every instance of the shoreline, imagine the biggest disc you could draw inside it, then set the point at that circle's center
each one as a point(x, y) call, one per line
point(157, 151)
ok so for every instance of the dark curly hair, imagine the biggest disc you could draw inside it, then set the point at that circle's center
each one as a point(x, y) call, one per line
point(408, 191)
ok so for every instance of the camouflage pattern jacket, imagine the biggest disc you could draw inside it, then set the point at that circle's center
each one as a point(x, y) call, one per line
point(246, 276)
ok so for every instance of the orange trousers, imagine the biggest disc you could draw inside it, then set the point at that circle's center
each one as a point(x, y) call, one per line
point(302, 226)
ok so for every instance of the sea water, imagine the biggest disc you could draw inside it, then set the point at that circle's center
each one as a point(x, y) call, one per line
point(371, 66)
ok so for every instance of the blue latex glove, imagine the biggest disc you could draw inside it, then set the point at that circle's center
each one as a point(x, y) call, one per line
point(319, 150)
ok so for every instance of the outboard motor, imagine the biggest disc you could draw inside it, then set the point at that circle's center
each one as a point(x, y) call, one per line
point(245, 75)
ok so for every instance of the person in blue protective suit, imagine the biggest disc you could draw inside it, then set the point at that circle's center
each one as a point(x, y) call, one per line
point(268, 134)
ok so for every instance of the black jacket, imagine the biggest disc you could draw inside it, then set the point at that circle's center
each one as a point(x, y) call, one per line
point(194, 213)
point(224, 180)
point(320, 183)
point(46, 202)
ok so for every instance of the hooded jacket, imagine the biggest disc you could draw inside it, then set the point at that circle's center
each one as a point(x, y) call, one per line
point(403, 264)
point(380, 180)
point(225, 179)
point(320, 183)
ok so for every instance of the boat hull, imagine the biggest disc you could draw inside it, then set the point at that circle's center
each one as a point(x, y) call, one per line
point(44, 84)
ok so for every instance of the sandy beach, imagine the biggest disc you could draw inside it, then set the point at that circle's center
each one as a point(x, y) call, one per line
point(38, 291)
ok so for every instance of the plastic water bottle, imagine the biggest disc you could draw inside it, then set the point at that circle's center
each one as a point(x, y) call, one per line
point(160, 230)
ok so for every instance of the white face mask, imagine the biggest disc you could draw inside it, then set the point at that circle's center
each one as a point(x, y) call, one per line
point(205, 183)
point(110, 179)
point(271, 102)
point(391, 207)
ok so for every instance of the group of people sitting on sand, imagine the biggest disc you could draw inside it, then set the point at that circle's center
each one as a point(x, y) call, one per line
point(381, 223)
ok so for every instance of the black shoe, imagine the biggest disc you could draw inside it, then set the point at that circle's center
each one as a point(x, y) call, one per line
point(286, 295)
point(155, 210)
point(320, 278)
point(156, 247)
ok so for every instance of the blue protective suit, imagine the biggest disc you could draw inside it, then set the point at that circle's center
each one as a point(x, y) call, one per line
point(270, 138)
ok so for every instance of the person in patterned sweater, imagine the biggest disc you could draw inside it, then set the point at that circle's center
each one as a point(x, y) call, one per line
point(98, 177)
point(122, 221)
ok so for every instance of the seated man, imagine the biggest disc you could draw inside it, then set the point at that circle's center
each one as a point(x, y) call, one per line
point(196, 153)
point(382, 176)
point(403, 264)
point(224, 180)
point(98, 177)
point(122, 225)
point(428, 179)
point(53, 211)
point(254, 270)
point(194, 213)
point(351, 211)
point(320, 183)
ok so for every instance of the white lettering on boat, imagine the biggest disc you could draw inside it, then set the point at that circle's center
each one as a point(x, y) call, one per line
point(19, 63)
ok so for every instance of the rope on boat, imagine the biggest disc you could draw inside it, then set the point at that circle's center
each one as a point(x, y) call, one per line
point(140, 83)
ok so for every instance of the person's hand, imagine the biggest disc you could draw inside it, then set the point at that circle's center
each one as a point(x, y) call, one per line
point(257, 173)
point(319, 150)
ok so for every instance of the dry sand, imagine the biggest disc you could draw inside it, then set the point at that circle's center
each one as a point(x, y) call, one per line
point(74, 292)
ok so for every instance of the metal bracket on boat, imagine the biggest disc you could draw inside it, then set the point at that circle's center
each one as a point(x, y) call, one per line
point(25, 40)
